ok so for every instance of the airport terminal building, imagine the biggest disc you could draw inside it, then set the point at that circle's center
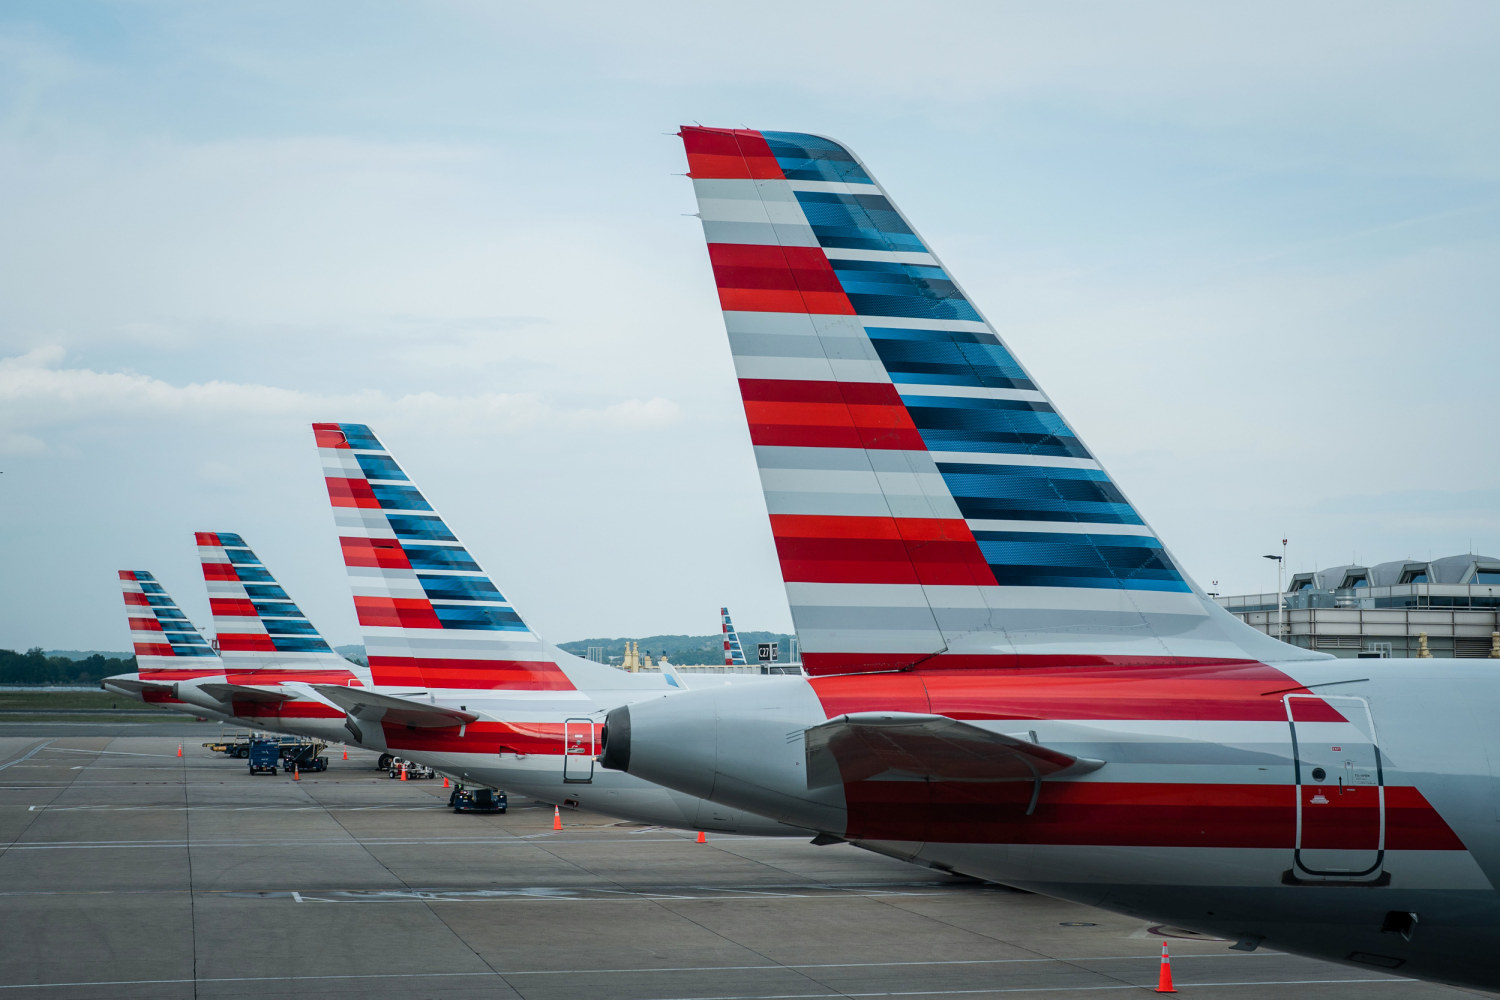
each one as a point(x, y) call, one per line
point(1450, 606)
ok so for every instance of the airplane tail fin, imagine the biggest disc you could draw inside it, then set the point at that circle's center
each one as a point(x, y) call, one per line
point(734, 653)
point(258, 626)
point(431, 616)
point(927, 499)
point(167, 646)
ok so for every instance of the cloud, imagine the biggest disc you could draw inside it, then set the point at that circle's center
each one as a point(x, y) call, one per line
point(37, 396)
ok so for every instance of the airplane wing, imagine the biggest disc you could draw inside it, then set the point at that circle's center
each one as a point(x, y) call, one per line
point(927, 747)
point(241, 692)
point(402, 711)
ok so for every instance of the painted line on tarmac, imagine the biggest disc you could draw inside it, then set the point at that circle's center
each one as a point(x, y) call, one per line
point(579, 895)
point(755, 996)
point(269, 807)
point(1010, 990)
point(656, 970)
point(32, 753)
point(114, 753)
point(83, 845)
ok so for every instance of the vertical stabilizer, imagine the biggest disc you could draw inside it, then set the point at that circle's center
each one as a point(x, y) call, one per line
point(257, 625)
point(734, 653)
point(432, 618)
point(926, 498)
point(167, 646)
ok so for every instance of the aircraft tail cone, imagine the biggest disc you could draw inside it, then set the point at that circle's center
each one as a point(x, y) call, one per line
point(1164, 981)
point(556, 818)
point(702, 837)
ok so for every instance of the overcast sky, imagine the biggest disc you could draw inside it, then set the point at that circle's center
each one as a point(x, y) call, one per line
point(1251, 251)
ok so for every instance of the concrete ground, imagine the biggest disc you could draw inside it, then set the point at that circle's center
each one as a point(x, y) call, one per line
point(126, 871)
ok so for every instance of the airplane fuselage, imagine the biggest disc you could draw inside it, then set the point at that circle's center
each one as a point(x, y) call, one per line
point(545, 746)
point(1342, 808)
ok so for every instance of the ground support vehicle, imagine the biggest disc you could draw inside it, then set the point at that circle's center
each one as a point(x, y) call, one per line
point(265, 756)
point(233, 745)
point(483, 800)
point(412, 769)
point(304, 755)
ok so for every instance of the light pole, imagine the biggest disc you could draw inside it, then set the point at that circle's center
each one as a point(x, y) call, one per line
point(1280, 567)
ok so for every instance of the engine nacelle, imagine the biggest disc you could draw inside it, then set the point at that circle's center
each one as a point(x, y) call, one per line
point(739, 745)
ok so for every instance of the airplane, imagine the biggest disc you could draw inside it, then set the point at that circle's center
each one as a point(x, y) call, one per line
point(734, 653)
point(487, 727)
point(169, 649)
point(181, 670)
point(1010, 676)
point(271, 653)
point(459, 681)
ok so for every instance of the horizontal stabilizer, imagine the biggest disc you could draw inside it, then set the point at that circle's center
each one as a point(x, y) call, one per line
point(129, 686)
point(365, 703)
point(909, 745)
point(242, 692)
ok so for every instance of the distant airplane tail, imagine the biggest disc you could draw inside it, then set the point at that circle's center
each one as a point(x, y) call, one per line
point(734, 653)
point(929, 503)
point(431, 616)
point(258, 627)
point(167, 646)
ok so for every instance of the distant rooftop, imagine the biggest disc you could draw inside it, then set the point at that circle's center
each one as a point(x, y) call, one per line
point(1461, 569)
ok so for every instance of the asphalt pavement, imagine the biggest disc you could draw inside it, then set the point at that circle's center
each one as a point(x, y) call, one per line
point(127, 871)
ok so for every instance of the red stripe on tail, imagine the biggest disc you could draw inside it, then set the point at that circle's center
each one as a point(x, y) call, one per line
point(728, 153)
point(329, 436)
point(396, 612)
point(833, 549)
point(811, 414)
point(351, 493)
point(755, 278)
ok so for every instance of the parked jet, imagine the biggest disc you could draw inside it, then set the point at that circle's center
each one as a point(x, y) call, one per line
point(270, 651)
point(1011, 676)
point(179, 669)
point(460, 682)
point(168, 648)
point(734, 653)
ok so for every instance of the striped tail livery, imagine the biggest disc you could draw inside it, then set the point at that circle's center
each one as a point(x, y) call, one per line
point(168, 648)
point(1009, 674)
point(926, 498)
point(734, 653)
point(432, 618)
point(259, 628)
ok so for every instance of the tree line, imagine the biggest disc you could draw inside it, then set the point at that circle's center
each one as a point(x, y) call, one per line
point(36, 667)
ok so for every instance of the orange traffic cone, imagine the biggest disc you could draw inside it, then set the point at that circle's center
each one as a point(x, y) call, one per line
point(1164, 981)
point(702, 837)
point(179, 749)
point(403, 772)
point(445, 781)
point(296, 773)
point(556, 819)
point(346, 753)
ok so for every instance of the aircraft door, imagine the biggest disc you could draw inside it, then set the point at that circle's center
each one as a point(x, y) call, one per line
point(578, 751)
point(1340, 791)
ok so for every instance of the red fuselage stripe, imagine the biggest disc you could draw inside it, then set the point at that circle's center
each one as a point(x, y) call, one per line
point(1118, 814)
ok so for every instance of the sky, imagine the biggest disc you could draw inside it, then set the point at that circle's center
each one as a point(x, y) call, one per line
point(1250, 251)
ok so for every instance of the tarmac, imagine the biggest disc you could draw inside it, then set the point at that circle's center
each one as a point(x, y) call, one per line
point(127, 871)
